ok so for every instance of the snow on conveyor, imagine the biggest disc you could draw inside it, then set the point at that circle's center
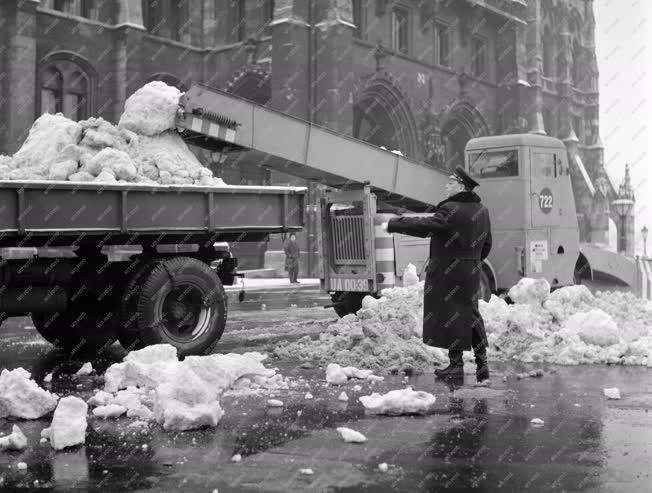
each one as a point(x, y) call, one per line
point(569, 326)
point(142, 148)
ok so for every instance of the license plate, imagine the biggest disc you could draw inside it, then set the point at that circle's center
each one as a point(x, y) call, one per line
point(343, 284)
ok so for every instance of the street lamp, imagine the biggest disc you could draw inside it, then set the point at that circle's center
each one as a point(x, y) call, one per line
point(622, 207)
point(644, 233)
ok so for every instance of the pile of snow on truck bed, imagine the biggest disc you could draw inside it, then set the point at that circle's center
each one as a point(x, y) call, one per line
point(142, 148)
point(569, 326)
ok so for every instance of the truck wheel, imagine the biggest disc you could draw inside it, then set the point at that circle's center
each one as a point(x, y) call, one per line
point(347, 302)
point(77, 329)
point(182, 303)
point(128, 334)
point(484, 289)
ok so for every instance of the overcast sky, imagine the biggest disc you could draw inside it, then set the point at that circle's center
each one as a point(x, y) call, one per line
point(623, 37)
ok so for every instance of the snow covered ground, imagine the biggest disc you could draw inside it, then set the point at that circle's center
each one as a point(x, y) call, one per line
point(142, 148)
point(569, 326)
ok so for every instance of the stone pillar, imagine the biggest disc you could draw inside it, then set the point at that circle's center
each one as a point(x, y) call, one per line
point(333, 55)
point(535, 67)
point(18, 67)
point(511, 74)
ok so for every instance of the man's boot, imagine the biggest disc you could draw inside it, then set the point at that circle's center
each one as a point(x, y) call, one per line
point(482, 367)
point(455, 370)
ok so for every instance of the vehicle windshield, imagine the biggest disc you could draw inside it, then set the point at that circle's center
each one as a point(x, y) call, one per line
point(494, 164)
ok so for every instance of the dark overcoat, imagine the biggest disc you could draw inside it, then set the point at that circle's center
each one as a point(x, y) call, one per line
point(292, 253)
point(460, 232)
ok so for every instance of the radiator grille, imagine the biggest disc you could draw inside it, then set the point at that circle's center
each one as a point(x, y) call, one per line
point(348, 240)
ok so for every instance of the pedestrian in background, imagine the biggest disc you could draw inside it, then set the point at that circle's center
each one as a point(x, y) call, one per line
point(460, 232)
point(292, 253)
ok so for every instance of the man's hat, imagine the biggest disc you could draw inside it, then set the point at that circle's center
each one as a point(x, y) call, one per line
point(461, 176)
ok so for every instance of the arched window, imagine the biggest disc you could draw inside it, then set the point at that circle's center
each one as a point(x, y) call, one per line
point(65, 87)
point(51, 91)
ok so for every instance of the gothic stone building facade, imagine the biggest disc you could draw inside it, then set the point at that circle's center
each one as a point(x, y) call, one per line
point(420, 76)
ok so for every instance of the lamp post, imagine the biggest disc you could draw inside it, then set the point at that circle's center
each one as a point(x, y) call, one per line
point(644, 233)
point(622, 207)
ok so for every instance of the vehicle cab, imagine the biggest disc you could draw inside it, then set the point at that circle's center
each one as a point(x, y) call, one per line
point(525, 183)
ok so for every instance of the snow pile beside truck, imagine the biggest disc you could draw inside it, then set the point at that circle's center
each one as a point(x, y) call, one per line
point(569, 326)
point(142, 148)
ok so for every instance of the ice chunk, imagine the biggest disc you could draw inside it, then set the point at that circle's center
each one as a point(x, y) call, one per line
point(594, 327)
point(236, 458)
point(15, 441)
point(530, 291)
point(48, 378)
point(22, 466)
point(62, 170)
point(410, 276)
point(151, 109)
point(537, 422)
point(114, 161)
point(100, 398)
point(612, 393)
point(353, 372)
point(396, 402)
point(343, 397)
point(308, 396)
point(383, 467)
point(69, 424)
point(369, 303)
point(335, 375)
point(351, 436)
point(86, 369)
point(21, 397)
point(306, 471)
point(109, 411)
point(274, 403)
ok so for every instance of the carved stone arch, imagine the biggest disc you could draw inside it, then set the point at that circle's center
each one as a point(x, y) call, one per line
point(383, 116)
point(169, 79)
point(78, 78)
point(253, 83)
point(460, 122)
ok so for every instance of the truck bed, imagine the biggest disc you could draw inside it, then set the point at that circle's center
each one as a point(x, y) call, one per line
point(47, 213)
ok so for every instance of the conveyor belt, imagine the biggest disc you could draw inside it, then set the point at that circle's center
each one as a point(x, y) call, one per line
point(259, 136)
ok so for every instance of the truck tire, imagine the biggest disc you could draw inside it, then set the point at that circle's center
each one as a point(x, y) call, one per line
point(347, 302)
point(77, 329)
point(128, 333)
point(182, 303)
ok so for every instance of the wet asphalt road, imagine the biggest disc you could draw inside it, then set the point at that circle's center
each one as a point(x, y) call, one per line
point(476, 439)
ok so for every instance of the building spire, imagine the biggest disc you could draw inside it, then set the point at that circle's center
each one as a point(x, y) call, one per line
point(625, 190)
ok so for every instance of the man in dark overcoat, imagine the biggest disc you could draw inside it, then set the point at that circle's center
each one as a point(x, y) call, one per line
point(460, 232)
point(292, 253)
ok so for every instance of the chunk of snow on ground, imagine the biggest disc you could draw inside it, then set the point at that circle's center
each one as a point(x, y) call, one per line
point(353, 372)
point(383, 467)
point(396, 402)
point(14, 441)
point(151, 109)
point(612, 393)
point(109, 411)
point(21, 466)
point(343, 397)
point(536, 422)
point(274, 403)
point(351, 436)
point(68, 427)
point(530, 291)
point(410, 276)
point(308, 396)
point(335, 374)
point(236, 458)
point(86, 369)
point(357, 388)
point(21, 397)
point(307, 472)
point(48, 378)
point(100, 398)
point(375, 378)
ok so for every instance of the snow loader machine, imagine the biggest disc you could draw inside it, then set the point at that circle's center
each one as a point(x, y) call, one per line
point(525, 183)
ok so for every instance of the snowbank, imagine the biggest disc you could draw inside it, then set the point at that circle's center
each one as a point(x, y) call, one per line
point(396, 402)
point(569, 326)
point(69, 424)
point(181, 395)
point(21, 397)
point(143, 148)
point(384, 336)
